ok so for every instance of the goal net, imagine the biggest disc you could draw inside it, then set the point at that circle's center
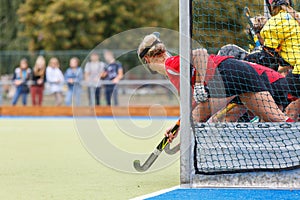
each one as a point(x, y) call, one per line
point(239, 136)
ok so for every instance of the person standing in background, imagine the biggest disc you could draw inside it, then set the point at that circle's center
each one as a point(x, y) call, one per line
point(73, 77)
point(55, 78)
point(113, 72)
point(92, 72)
point(1, 91)
point(21, 76)
point(38, 80)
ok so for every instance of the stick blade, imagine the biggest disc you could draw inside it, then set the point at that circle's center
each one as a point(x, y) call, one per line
point(137, 166)
point(151, 159)
point(172, 151)
point(247, 11)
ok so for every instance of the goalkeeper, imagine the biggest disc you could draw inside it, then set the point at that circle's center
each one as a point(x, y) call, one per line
point(280, 37)
point(237, 77)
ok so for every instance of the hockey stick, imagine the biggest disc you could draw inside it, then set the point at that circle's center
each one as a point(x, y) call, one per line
point(253, 35)
point(172, 151)
point(219, 115)
point(248, 17)
point(154, 155)
point(223, 112)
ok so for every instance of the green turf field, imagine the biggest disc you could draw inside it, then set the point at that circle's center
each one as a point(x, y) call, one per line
point(45, 159)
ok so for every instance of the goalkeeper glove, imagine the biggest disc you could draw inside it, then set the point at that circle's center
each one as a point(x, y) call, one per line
point(200, 95)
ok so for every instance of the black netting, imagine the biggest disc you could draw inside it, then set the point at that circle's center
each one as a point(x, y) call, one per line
point(242, 126)
point(246, 147)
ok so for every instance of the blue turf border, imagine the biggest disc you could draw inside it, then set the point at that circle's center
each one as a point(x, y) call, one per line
point(229, 194)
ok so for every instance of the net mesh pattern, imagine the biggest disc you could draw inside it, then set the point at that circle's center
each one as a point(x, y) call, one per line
point(237, 140)
point(244, 147)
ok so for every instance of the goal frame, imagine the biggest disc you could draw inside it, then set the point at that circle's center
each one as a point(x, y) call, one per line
point(188, 177)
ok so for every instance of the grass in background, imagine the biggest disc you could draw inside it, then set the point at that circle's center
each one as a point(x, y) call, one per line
point(44, 159)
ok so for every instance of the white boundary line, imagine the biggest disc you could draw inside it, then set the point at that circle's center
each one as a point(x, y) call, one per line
point(156, 193)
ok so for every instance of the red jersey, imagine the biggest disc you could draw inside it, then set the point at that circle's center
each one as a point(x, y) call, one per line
point(172, 66)
point(273, 75)
point(214, 61)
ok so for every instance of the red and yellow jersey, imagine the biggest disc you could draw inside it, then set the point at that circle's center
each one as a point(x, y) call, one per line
point(283, 31)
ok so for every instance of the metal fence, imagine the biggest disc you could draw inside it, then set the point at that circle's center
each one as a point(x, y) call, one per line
point(9, 60)
point(130, 92)
point(138, 86)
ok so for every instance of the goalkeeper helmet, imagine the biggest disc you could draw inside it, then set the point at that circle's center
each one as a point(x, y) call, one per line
point(280, 2)
point(275, 3)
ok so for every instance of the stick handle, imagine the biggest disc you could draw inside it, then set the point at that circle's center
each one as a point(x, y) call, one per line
point(223, 112)
point(154, 155)
point(151, 159)
point(255, 37)
point(164, 141)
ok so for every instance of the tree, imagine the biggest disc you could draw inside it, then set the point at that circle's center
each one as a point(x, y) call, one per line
point(57, 24)
point(9, 25)
point(82, 24)
point(217, 23)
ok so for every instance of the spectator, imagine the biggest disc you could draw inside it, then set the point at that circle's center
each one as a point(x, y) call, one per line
point(113, 72)
point(55, 78)
point(1, 91)
point(93, 70)
point(38, 80)
point(73, 77)
point(20, 79)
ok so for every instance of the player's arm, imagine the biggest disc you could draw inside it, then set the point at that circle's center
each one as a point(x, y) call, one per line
point(119, 76)
point(200, 58)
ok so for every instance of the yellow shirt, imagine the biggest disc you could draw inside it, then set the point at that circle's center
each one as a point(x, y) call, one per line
point(282, 29)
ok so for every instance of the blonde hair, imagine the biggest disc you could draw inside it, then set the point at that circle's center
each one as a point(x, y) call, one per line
point(76, 60)
point(23, 60)
point(148, 42)
point(54, 60)
point(40, 61)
